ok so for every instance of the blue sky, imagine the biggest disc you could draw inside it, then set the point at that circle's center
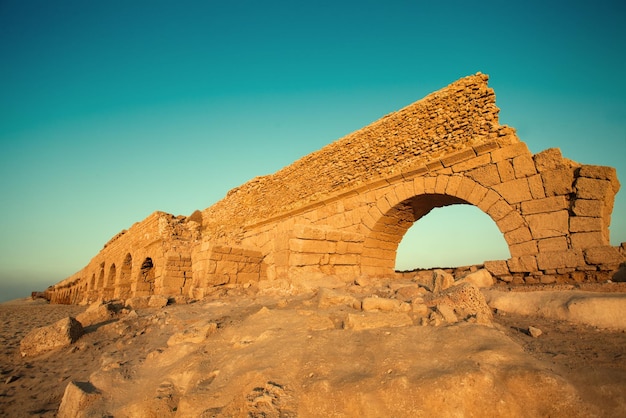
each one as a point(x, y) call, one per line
point(112, 110)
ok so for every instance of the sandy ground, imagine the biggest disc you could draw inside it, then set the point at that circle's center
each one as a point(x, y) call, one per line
point(284, 355)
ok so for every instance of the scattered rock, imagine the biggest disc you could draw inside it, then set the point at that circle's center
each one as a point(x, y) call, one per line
point(330, 297)
point(384, 304)
point(534, 332)
point(60, 334)
point(481, 279)
point(195, 334)
point(467, 302)
point(78, 399)
point(447, 312)
point(441, 281)
point(99, 312)
point(158, 301)
point(372, 320)
point(408, 293)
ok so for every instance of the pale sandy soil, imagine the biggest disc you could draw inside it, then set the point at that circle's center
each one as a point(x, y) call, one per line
point(277, 354)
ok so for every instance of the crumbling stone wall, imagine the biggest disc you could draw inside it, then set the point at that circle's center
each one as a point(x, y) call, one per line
point(344, 209)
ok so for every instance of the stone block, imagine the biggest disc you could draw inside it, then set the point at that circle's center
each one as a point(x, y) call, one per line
point(452, 159)
point(523, 264)
point(556, 244)
point(429, 184)
point(584, 224)
point(472, 164)
point(546, 225)
point(514, 191)
point(509, 152)
point(505, 170)
point(558, 182)
point(561, 259)
point(524, 166)
point(308, 232)
point(344, 259)
point(441, 184)
point(523, 248)
point(548, 204)
point(549, 159)
point(535, 184)
point(487, 175)
point(519, 235)
point(486, 147)
point(587, 239)
point(499, 210)
point(453, 185)
point(497, 267)
point(311, 246)
point(510, 222)
point(589, 208)
point(465, 188)
point(600, 172)
point(478, 194)
point(373, 320)
point(78, 398)
point(488, 200)
point(61, 334)
point(587, 188)
point(603, 255)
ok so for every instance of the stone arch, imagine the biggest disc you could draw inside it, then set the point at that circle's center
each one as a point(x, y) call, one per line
point(100, 281)
point(107, 288)
point(123, 284)
point(144, 284)
point(406, 202)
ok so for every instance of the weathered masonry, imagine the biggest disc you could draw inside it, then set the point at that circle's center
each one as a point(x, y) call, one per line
point(344, 209)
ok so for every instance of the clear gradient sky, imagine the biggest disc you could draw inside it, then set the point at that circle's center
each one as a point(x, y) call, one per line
point(110, 110)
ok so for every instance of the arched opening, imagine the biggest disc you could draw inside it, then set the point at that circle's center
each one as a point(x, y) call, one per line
point(145, 281)
point(451, 236)
point(110, 281)
point(100, 282)
point(392, 220)
point(122, 286)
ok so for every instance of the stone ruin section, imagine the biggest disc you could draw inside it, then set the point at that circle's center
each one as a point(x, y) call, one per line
point(344, 209)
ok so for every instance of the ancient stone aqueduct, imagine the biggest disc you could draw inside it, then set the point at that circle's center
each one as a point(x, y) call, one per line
point(344, 209)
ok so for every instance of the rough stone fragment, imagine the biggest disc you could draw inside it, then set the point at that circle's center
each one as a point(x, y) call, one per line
point(99, 312)
point(373, 320)
point(330, 297)
point(534, 331)
point(78, 399)
point(441, 280)
point(195, 334)
point(480, 278)
point(158, 301)
point(384, 305)
point(447, 312)
point(549, 159)
point(558, 182)
point(467, 301)
point(62, 333)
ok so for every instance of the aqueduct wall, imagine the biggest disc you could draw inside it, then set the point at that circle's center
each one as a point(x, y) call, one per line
point(344, 209)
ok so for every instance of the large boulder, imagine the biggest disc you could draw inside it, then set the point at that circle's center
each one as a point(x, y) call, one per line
point(62, 333)
point(99, 312)
point(78, 398)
